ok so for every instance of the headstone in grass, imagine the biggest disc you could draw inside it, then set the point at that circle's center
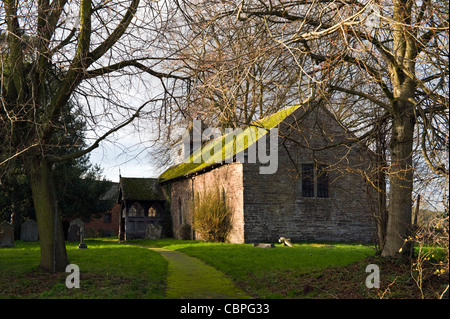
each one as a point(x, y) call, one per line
point(153, 231)
point(6, 235)
point(82, 245)
point(29, 231)
point(75, 228)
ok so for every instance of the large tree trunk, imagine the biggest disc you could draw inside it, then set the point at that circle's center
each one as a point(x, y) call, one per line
point(401, 184)
point(51, 236)
point(403, 122)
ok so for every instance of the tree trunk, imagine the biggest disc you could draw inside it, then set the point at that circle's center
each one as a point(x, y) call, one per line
point(403, 122)
point(382, 213)
point(51, 236)
point(401, 184)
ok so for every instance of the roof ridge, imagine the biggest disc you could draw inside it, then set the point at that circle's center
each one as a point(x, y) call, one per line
point(195, 161)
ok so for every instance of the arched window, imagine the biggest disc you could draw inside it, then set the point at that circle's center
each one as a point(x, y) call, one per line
point(136, 210)
point(152, 212)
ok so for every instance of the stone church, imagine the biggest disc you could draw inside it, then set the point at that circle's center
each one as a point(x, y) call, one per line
point(312, 187)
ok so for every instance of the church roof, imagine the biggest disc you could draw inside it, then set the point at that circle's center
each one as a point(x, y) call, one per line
point(218, 150)
point(132, 188)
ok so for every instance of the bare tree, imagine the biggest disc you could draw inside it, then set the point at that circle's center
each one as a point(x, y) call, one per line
point(97, 53)
point(388, 61)
point(234, 81)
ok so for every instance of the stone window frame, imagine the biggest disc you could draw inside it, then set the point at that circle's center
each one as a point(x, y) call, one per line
point(315, 185)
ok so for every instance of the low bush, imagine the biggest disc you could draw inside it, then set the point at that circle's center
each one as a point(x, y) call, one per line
point(212, 216)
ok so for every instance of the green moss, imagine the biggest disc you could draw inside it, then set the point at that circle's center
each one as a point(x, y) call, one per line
point(191, 278)
point(226, 146)
point(140, 188)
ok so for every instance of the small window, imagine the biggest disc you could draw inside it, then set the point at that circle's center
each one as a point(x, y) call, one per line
point(315, 182)
point(155, 210)
point(307, 180)
point(107, 218)
point(152, 212)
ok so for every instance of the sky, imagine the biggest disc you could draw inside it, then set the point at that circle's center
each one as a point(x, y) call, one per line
point(127, 152)
point(125, 156)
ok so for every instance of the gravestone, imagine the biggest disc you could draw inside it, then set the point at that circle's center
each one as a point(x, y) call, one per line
point(75, 228)
point(6, 235)
point(29, 231)
point(153, 231)
point(82, 245)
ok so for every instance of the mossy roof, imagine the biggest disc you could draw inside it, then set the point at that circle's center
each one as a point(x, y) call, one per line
point(224, 147)
point(132, 188)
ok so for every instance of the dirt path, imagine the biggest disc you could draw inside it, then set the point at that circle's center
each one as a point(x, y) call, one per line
point(191, 278)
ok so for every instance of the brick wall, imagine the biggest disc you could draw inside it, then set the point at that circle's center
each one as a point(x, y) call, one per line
point(98, 226)
point(227, 176)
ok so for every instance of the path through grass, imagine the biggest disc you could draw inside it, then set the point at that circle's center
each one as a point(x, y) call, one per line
point(268, 272)
point(190, 278)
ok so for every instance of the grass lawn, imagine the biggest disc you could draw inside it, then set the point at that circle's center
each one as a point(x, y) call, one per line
point(312, 270)
point(271, 272)
point(107, 270)
point(307, 270)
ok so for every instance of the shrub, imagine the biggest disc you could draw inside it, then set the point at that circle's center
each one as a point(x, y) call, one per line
point(212, 216)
